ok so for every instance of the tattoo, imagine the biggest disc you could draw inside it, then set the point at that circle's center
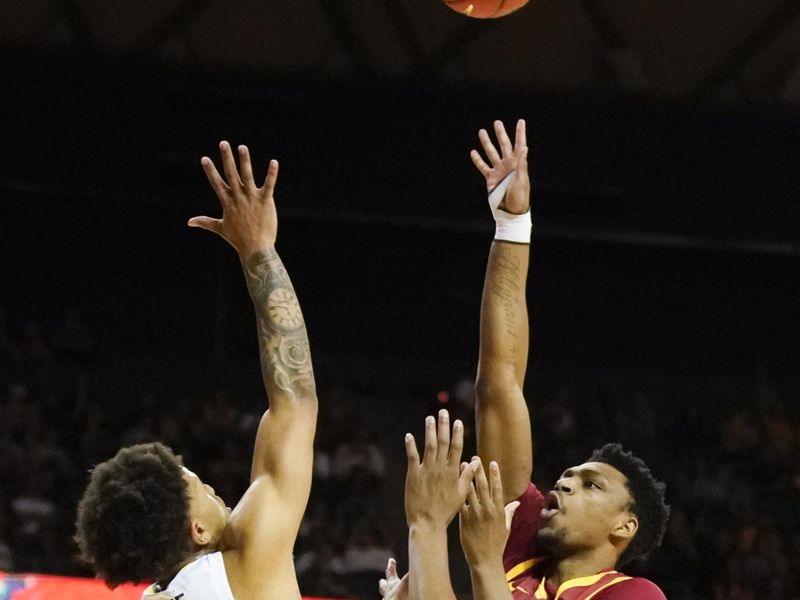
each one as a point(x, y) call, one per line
point(505, 287)
point(282, 338)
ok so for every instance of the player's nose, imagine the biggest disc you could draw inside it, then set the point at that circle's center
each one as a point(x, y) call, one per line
point(562, 485)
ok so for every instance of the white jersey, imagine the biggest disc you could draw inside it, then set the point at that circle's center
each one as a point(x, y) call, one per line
point(202, 579)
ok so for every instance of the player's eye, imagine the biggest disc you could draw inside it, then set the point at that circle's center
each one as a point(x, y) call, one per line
point(591, 484)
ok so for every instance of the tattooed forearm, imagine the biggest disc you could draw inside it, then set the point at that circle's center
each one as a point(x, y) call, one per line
point(282, 337)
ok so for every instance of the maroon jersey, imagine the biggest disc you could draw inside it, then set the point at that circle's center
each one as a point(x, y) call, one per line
point(525, 564)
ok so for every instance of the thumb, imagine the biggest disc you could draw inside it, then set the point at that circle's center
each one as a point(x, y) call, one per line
point(510, 509)
point(214, 225)
point(391, 569)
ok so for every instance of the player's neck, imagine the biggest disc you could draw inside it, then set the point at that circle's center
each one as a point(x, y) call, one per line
point(191, 558)
point(583, 564)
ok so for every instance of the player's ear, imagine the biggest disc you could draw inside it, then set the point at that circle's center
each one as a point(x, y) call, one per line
point(201, 535)
point(626, 527)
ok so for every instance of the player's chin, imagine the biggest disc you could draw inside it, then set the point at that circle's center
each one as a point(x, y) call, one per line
point(551, 537)
point(225, 513)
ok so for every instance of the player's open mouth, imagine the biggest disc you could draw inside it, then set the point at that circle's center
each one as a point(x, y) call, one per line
point(552, 505)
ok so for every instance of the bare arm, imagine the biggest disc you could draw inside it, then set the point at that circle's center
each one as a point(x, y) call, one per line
point(428, 564)
point(269, 514)
point(435, 489)
point(503, 422)
point(285, 437)
point(489, 582)
point(485, 526)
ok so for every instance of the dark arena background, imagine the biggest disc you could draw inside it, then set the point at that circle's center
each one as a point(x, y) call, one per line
point(663, 293)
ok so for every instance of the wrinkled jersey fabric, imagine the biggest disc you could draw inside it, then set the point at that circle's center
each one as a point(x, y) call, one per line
point(202, 579)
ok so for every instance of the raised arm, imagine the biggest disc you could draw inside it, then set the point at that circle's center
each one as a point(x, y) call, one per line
point(283, 455)
point(435, 489)
point(503, 422)
point(485, 526)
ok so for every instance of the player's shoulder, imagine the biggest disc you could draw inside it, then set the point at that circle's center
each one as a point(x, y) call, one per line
point(521, 546)
point(264, 521)
point(528, 514)
point(532, 494)
point(636, 588)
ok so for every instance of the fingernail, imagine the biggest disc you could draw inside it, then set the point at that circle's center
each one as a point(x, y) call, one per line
point(429, 420)
point(457, 424)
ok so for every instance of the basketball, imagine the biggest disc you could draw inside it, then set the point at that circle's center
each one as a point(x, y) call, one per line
point(485, 9)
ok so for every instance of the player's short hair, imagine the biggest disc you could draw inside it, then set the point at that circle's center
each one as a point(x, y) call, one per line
point(647, 500)
point(133, 518)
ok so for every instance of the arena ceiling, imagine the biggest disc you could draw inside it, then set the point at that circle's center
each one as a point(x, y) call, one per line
point(737, 51)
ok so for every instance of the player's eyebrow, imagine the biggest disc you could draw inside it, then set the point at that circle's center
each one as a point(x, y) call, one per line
point(593, 473)
point(585, 473)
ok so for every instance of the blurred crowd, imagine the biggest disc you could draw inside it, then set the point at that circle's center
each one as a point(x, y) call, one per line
point(727, 446)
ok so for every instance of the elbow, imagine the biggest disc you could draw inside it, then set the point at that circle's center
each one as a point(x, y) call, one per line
point(495, 388)
point(306, 403)
point(515, 486)
point(309, 403)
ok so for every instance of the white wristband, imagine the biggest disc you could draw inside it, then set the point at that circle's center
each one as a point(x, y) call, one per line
point(508, 226)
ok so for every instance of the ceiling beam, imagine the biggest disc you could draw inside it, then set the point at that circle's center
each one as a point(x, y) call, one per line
point(406, 32)
point(473, 30)
point(175, 23)
point(622, 64)
point(72, 15)
point(789, 90)
point(346, 36)
point(753, 44)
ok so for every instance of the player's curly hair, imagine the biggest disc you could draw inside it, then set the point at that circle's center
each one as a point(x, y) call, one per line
point(133, 518)
point(647, 500)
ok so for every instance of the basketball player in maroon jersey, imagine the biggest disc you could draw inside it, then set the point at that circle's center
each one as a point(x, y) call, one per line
point(600, 515)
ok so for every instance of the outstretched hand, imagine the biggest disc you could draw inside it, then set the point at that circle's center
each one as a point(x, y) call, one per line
point(510, 159)
point(485, 522)
point(393, 587)
point(437, 486)
point(249, 221)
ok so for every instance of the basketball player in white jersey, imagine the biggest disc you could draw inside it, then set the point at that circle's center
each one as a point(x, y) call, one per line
point(144, 517)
